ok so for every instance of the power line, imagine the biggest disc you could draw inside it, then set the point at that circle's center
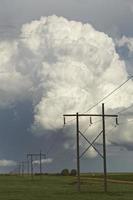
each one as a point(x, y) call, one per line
point(109, 94)
point(53, 144)
point(125, 109)
point(127, 122)
point(105, 97)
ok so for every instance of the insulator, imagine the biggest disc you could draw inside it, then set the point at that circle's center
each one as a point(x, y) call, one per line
point(64, 121)
point(91, 121)
point(117, 123)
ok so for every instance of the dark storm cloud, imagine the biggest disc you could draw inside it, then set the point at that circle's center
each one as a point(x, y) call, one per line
point(16, 140)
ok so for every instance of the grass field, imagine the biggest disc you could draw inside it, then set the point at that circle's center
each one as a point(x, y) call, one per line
point(64, 188)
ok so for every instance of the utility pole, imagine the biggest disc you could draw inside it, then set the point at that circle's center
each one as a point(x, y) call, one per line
point(78, 159)
point(104, 150)
point(19, 169)
point(22, 164)
point(31, 163)
point(40, 162)
point(30, 156)
point(91, 144)
point(34, 155)
point(28, 167)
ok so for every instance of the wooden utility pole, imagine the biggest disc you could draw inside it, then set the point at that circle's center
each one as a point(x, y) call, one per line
point(104, 150)
point(78, 159)
point(34, 155)
point(91, 144)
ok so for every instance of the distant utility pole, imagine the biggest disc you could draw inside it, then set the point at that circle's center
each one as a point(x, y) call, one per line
point(19, 169)
point(23, 164)
point(91, 144)
point(16, 170)
point(32, 157)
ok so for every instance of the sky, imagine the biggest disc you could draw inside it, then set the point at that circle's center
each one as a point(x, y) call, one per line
point(60, 57)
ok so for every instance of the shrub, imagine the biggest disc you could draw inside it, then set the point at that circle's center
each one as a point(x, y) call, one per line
point(65, 172)
point(73, 172)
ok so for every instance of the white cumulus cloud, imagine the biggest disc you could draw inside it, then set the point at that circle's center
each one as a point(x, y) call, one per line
point(43, 161)
point(7, 163)
point(125, 41)
point(63, 67)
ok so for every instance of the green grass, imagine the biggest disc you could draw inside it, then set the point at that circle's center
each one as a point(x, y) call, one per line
point(63, 188)
point(114, 176)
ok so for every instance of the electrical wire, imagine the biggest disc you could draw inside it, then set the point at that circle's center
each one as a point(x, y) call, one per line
point(105, 97)
point(125, 109)
point(127, 122)
point(109, 94)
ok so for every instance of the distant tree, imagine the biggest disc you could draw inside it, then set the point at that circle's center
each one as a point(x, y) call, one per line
point(73, 172)
point(65, 172)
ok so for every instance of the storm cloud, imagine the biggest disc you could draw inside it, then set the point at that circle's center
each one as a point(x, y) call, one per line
point(62, 66)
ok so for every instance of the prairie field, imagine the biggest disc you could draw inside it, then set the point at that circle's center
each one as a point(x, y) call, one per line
point(52, 187)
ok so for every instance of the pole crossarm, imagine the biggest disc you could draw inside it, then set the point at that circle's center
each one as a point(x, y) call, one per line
point(36, 154)
point(89, 115)
point(91, 145)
